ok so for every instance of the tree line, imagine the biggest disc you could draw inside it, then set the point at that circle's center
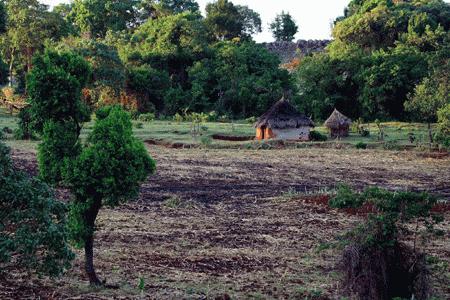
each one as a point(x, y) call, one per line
point(158, 56)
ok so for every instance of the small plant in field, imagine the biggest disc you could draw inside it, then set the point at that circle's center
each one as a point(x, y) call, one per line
point(251, 120)
point(317, 136)
point(178, 118)
point(173, 202)
point(391, 145)
point(148, 117)
point(377, 264)
point(381, 132)
point(206, 140)
point(138, 125)
point(361, 145)
point(141, 285)
point(411, 137)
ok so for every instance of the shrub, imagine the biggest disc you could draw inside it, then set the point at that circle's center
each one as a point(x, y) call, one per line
point(251, 120)
point(443, 134)
point(391, 145)
point(178, 118)
point(365, 132)
point(25, 130)
point(206, 140)
point(376, 263)
point(7, 130)
point(33, 223)
point(317, 136)
point(361, 145)
point(148, 117)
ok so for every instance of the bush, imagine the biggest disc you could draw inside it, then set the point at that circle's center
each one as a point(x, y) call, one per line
point(361, 145)
point(443, 134)
point(251, 120)
point(33, 223)
point(206, 140)
point(7, 130)
point(377, 264)
point(178, 118)
point(25, 130)
point(317, 136)
point(365, 132)
point(148, 117)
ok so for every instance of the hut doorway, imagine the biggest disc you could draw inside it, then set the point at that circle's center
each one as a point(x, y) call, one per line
point(263, 132)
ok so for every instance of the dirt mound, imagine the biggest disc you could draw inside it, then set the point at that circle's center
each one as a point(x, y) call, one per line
point(233, 138)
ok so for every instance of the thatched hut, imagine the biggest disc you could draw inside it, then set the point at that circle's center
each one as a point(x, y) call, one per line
point(338, 124)
point(283, 122)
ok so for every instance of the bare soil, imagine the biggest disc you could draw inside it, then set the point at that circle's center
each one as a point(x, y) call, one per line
point(221, 224)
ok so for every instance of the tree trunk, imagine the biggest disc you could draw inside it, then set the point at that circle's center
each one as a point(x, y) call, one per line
point(11, 63)
point(430, 134)
point(89, 261)
point(90, 216)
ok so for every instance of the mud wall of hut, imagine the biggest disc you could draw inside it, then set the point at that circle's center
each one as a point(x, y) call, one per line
point(301, 134)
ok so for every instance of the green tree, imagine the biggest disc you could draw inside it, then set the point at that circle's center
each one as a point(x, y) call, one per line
point(150, 84)
point(26, 30)
point(223, 19)
point(178, 6)
point(326, 82)
point(107, 173)
point(108, 70)
point(251, 21)
point(429, 96)
point(443, 134)
point(96, 17)
point(33, 232)
point(284, 27)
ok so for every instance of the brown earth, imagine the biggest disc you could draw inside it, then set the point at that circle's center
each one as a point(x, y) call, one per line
point(229, 223)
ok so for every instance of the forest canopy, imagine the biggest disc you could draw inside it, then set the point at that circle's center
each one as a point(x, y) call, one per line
point(165, 57)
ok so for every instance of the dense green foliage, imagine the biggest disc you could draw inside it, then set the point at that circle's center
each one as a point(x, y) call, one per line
point(381, 56)
point(54, 89)
point(284, 27)
point(96, 17)
point(29, 25)
point(226, 21)
point(59, 143)
point(163, 56)
point(242, 79)
point(33, 233)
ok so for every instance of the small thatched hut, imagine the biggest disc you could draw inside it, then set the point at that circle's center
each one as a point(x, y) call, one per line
point(338, 124)
point(283, 122)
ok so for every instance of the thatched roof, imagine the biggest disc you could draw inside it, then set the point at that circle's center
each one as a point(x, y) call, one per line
point(283, 115)
point(337, 120)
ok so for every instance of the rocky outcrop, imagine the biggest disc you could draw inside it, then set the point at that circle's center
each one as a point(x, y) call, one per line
point(287, 51)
